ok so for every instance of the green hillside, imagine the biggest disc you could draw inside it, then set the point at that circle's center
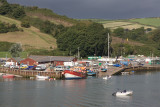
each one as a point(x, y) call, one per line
point(155, 22)
point(29, 37)
point(46, 14)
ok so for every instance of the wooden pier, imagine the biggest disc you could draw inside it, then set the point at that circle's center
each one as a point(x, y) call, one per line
point(31, 73)
point(58, 74)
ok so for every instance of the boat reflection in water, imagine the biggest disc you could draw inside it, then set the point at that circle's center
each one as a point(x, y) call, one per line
point(8, 79)
point(124, 98)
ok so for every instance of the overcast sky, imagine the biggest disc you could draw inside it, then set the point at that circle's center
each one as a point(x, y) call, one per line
point(102, 9)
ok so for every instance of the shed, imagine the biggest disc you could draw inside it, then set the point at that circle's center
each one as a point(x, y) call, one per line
point(29, 61)
point(55, 60)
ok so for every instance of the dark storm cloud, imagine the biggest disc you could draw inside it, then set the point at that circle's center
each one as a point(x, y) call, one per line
point(104, 9)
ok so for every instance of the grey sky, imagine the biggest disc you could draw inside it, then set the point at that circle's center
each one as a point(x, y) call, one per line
point(102, 9)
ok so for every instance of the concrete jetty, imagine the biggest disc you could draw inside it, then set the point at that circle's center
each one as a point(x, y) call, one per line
point(117, 70)
point(111, 71)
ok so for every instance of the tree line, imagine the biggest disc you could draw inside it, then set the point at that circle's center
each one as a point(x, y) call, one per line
point(89, 39)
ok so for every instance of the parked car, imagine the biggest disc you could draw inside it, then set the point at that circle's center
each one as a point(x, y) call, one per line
point(59, 68)
point(8, 64)
point(14, 66)
point(24, 66)
point(31, 67)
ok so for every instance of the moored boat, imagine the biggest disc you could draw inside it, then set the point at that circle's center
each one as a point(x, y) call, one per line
point(69, 74)
point(8, 76)
point(42, 77)
point(103, 70)
point(91, 73)
point(123, 93)
point(107, 77)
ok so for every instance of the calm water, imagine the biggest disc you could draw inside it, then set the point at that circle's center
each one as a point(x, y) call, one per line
point(91, 92)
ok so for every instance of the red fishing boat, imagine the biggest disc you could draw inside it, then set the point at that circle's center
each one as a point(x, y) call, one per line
point(69, 74)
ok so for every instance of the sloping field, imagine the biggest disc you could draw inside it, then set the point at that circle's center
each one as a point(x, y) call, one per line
point(46, 14)
point(148, 21)
point(117, 40)
point(54, 20)
point(125, 25)
point(29, 38)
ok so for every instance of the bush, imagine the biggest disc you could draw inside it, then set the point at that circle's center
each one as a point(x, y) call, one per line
point(18, 13)
point(5, 27)
point(25, 24)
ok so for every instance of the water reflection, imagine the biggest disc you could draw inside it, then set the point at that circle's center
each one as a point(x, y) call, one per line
point(8, 79)
point(124, 98)
point(11, 79)
point(92, 92)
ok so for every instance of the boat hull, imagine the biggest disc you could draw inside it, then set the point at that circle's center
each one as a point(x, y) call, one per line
point(91, 73)
point(42, 77)
point(127, 93)
point(8, 76)
point(107, 77)
point(73, 75)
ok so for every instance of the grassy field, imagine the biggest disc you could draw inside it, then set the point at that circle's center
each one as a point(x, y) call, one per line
point(116, 40)
point(147, 21)
point(29, 38)
point(126, 24)
point(8, 55)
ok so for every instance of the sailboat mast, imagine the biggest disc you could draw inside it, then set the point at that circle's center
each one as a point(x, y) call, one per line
point(108, 46)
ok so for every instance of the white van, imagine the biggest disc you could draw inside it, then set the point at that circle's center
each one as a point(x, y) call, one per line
point(8, 64)
point(41, 67)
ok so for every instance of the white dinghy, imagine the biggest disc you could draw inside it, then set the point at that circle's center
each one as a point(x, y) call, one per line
point(107, 77)
point(123, 93)
point(42, 77)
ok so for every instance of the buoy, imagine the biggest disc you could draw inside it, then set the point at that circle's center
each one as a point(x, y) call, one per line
point(50, 79)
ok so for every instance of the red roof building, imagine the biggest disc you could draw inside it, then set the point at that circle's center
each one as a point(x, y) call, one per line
point(55, 60)
point(29, 61)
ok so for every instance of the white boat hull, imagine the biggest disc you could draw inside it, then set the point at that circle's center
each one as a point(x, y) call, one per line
point(71, 76)
point(107, 77)
point(119, 93)
point(42, 77)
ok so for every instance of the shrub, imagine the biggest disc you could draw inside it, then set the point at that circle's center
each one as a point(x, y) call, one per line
point(25, 24)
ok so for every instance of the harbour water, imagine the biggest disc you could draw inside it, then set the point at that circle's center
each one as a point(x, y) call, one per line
point(91, 92)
